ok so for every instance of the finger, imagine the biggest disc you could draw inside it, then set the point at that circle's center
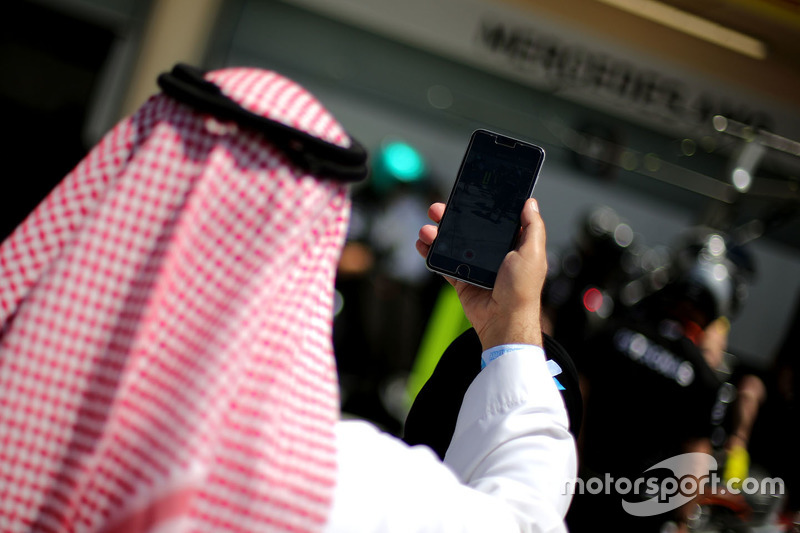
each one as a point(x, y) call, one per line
point(435, 211)
point(428, 233)
point(422, 248)
point(532, 239)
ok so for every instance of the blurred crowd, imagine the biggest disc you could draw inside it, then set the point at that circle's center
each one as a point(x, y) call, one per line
point(647, 328)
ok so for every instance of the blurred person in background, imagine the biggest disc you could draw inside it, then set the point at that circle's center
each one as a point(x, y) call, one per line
point(650, 391)
point(386, 307)
point(165, 341)
point(386, 302)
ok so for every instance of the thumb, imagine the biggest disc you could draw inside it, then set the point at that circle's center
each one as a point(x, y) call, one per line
point(532, 237)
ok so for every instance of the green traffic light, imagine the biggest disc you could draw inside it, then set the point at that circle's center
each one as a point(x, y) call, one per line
point(403, 162)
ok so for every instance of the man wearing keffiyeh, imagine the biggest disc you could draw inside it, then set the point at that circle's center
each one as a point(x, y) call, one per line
point(166, 360)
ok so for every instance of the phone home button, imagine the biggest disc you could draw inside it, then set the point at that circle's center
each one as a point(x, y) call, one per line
point(462, 271)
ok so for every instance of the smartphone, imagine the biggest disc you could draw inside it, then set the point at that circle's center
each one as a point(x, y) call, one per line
point(481, 220)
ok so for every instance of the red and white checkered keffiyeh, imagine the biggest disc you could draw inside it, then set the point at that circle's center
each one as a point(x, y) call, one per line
point(165, 351)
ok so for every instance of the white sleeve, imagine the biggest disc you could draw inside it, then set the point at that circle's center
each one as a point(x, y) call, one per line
point(507, 467)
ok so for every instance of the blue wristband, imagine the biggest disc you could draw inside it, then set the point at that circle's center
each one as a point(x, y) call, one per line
point(493, 353)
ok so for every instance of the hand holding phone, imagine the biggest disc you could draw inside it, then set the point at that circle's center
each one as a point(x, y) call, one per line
point(510, 313)
point(482, 219)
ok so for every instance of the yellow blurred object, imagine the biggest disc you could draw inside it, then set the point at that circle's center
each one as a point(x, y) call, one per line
point(737, 466)
point(447, 322)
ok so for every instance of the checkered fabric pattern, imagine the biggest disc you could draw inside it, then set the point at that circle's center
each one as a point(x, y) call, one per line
point(165, 351)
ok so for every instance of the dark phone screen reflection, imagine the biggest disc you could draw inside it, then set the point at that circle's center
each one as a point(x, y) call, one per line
point(483, 214)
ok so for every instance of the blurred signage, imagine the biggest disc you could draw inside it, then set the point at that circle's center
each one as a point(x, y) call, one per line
point(551, 57)
point(601, 79)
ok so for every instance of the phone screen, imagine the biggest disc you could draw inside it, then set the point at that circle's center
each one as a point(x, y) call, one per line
point(482, 217)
